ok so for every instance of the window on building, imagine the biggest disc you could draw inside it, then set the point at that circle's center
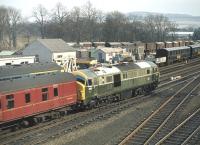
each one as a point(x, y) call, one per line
point(10, 101)
point(27, 98)
point(44, 94)
point(8, 63)
point(59, 56)
point(55, 90)
point(37, 58)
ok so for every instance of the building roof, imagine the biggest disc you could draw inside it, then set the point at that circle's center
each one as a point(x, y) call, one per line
point(56, 45)
point(110, 50)
point(195, 46)
point(7, 52)
point(9, 72)
point(15, 56)
point(126, 43)
point(176, 48)
point(10, 86)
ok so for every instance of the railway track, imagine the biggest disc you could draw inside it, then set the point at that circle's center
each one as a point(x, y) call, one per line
point(168, 69)
point(182, 72)
point(65, 125)
point(40, 135)
point(152, 125)
point(15, 137)
point(183, 133)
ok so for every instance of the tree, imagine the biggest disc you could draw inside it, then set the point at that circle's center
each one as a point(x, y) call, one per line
point(196, 35)
point(77, 23)
point(114, 27)
point(3, 24)
point(90, 18)
point(14, 18)
point(41, 15)
point(157, 28)
point(59, 17)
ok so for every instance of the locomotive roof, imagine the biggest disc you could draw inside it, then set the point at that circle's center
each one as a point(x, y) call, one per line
point(99, 71)
point(137, 65)
point(88, 72)
point(6, 71)
point(175, 48)
point(24, 83)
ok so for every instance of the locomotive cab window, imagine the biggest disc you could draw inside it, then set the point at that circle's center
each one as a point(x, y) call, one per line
point(10, 101)
point(27, 98)
point(89, 82)
point(148, 71)
point(44, 94)
point(80, 79)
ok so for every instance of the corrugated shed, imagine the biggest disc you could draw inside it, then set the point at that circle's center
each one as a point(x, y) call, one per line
point(56, 45)
point(6, 52)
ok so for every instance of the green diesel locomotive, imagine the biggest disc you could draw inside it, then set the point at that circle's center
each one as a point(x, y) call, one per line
point(110, 83)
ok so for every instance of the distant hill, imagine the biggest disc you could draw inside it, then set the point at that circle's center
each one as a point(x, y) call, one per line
point(184, 20)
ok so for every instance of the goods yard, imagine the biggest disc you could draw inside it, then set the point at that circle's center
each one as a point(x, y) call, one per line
point(121, 121)
point(75, 74)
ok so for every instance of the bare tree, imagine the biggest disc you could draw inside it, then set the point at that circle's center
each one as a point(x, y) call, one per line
point(14, 17)
point(157, 28)
point(76, 22)
point(59, 17)
point(90, 17)
point(115, 23)
point(41, 15)
point(3, 24)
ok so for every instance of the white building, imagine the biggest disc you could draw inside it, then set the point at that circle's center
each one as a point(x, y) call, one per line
point(16, 60)
point(53, 50)
point(106, 54)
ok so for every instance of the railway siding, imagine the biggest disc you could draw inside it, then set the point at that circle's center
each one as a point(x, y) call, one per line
point(144, 133)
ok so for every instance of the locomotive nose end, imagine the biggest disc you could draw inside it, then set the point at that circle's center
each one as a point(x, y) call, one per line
point(81, 91)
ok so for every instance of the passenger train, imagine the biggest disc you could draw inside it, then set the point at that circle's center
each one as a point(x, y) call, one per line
point(33, 97)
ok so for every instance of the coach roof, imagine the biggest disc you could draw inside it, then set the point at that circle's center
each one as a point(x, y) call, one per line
point(11, 86)
point(19, 70)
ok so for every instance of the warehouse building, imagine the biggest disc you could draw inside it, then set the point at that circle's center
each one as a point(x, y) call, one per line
point(53, 50)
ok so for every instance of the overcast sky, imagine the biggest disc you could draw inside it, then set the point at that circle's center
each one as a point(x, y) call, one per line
point(164, 6)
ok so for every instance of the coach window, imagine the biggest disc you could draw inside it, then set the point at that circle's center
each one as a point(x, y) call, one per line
point(44, 94)
point(10, 100)
point(55, 90)
point(27, 98)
